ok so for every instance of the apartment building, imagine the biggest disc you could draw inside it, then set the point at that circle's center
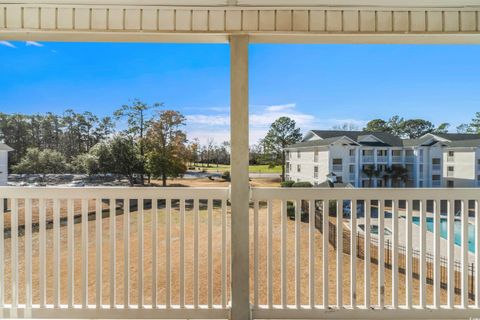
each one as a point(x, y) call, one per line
point(380, 159)
point(4, 150)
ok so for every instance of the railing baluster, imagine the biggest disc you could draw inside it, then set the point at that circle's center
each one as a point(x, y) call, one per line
point(2, 253)
point(298, 212)
point(168, 300)
point(126, 253)
point(42, 247)
point(255, 253)
point(464, 259)
point(269, 255)
point(224, 253)
point(210, 253)
point(71, 251)
point(381, 254)
point(353, 253)
point(325, 244)
point(366, 265)
point(84, 253)
point(56, 253)
point(28, 252)
point(284, 253)
point(140, 210)
point(451, 255)
point(98, 254)
point(154, 251)
point(423, 254)
point(339, 239)
point(436, 263)
point(195, 253)
point(113, 249)
point(182, 253)
point(409, 252)
point(395, 254)
point(14, 253)
point(311, 252)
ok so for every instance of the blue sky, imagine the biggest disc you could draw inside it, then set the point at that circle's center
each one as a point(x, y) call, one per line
point(318, 85)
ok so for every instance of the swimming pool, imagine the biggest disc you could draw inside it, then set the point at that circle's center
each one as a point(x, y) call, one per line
point(457, 230)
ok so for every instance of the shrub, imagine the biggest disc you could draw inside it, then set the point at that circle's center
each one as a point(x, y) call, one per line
point(303, 211)
point(287, 184)
point(226, 175)
point(302, 184)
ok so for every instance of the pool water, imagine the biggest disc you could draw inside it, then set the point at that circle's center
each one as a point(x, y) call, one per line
point(457, 230)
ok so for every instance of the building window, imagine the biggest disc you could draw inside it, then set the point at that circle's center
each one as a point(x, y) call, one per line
point(450, 171)
point(287, 167)
point(298, 154)
point(450, 184)
point(450, 156)
point(436, 177)
point(337, 164)
point(298, 168)
point(339, 179)
point(478, 177)
point(315, 172)
point(351, 153)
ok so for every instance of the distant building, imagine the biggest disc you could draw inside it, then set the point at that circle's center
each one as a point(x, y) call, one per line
point(4, 150)
point(433, 160)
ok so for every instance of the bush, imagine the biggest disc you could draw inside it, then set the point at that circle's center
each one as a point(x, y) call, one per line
point(302, 184)
point(287, 184)
point(303, 211)
point(226, 175)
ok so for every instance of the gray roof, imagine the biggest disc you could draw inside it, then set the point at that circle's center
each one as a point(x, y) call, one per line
point(388, 139)
point(4, 147)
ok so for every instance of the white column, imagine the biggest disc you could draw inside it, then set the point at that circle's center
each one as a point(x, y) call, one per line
point(239, 171)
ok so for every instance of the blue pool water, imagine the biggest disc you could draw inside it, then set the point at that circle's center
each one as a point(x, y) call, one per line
point(457, 229)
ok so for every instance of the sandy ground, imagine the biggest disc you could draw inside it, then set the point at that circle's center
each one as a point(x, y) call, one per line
point(203, 261)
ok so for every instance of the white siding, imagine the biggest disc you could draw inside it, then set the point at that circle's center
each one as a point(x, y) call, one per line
point(3, 168)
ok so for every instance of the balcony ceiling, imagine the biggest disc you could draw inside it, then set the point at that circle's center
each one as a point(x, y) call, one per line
point(267, 3)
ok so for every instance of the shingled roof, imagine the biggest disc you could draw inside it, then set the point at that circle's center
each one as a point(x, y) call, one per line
point(387, 139)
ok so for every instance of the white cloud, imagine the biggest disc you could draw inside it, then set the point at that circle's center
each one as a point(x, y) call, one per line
point(214, 120)
point(7, 44)
point(33, 43)
point(281, 107)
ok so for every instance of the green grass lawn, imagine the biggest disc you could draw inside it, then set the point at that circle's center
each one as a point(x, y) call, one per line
point(252, 169)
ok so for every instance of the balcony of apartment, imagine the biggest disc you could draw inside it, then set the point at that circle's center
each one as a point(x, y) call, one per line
point(397, 159)
point(352, 159)
point(382, 159)
point(436, 167)
point(368, 158)
point(351, 176)
point(409, 159)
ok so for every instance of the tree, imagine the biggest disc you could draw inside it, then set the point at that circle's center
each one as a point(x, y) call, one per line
point(138, 115)
point(124, 157)
point(370, 172)
point(41, 162)
point(85, 163)
point(377, 125)
point(166, 146)
point(282, 132)
point(415, 128)
point(346, 126)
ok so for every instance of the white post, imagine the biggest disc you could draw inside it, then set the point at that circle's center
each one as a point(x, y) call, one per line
point(239, 173)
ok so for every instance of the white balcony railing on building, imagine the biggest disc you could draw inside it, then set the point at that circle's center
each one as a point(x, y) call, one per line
point(352, 159)
point(409, 159)
point(397, 159)
point(351, 177)
point(383, 159)
point(164, 253)
point(450, 158)
point(436, 167)
point(367, 158)
point(450, 173)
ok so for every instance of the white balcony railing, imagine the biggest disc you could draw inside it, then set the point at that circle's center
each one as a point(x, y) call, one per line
point(409, 159)
point(397, 159)
point(436, 183)
point(383, 159)
point(352, 159)
point(436, 167)
point(367, 158)
point(164, 253)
